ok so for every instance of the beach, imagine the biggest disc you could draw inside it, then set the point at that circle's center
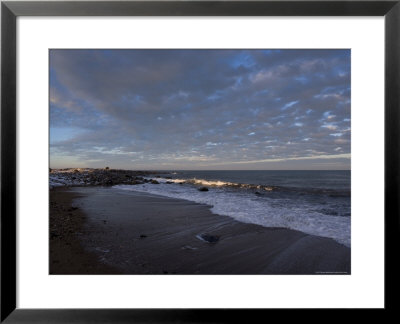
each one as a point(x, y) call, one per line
point(66, 253)
point(209, 161)
point(103, 230)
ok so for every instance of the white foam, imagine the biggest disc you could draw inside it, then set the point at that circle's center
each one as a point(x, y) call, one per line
point(195, 181)
point(209, 183)
point(249, 208)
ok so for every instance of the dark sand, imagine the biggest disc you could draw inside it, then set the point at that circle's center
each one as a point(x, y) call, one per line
point(113, 231)
point(67, 255)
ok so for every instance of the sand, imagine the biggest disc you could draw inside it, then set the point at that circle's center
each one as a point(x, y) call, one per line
point(105, 230)
point(67, 256)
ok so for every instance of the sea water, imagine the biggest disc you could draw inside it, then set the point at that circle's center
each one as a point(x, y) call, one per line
point(313, 202)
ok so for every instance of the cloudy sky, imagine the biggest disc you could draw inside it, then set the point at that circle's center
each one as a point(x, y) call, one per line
point(200, 109)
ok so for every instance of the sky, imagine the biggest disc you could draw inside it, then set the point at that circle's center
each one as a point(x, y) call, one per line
point(200, 109)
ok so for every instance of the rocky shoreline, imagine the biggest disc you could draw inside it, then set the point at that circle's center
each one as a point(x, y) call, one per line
point(96, 177)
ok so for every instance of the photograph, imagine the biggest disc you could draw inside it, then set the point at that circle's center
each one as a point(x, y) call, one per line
point(200, 161)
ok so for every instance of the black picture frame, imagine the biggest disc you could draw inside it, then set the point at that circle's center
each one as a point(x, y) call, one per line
point(10, 10)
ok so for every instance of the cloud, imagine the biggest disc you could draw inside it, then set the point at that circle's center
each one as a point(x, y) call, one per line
point(330, 126)
point(316, 157)
point(290, 104)
point(168, 104)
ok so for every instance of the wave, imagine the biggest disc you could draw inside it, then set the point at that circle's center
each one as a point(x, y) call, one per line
point(256, 187)
point(246, 207)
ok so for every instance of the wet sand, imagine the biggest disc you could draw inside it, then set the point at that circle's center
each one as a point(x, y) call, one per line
point(67, 256)
point(112, 231)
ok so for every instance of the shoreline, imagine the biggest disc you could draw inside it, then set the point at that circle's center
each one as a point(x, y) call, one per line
point(95, 177)
point(134, 233)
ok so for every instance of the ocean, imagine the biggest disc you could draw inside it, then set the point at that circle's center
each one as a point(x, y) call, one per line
point(313, 202)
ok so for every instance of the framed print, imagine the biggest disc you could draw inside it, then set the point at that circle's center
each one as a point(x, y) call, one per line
point(163, 159)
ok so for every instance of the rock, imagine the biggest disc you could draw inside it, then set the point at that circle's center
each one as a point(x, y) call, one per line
point(209, 238)
point(257, 193)
point(154, 182)
point(95, 177)
point(203, 189)
point(109, 182)
point(143, 236)
point(169, 182)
